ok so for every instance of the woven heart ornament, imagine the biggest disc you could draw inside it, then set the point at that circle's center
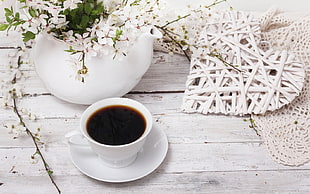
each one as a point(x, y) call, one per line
point(233, 72)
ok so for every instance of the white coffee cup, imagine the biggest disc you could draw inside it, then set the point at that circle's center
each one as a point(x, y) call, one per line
point(116, 156)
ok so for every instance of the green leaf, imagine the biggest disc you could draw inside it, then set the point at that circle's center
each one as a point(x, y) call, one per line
point(17, 16)
point(118, 33)
point(70, 49)
point(4, 27)
point(84, 21)
point(73, 13)
point(28, 36)
point(36, 153)
point(87, 8)
point(8, 19)
point(82, 17)
point(17, 23)
point(8, 12)
point(66, 12)
point(32, 12)
point(79, 27)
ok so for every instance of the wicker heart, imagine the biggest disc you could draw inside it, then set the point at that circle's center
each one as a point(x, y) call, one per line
point(241, 76)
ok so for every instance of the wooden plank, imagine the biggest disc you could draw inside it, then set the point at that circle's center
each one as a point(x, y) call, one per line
point(46, 106)
point(7, 40)
point(164, 107)
point(180, 129)
point(56, 118)
point(224, 157)
point(49, 107)
point(160, 182)
point(166, 73)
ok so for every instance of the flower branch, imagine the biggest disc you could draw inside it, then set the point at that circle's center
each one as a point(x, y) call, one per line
point(216, 2)
point(176, 32)
point(15, 94)
point(168, 33)
point(252, 124)
point(220, 57)
point(173, 21)
point(35, 141)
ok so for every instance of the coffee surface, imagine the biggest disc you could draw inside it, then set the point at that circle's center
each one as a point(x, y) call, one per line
point(116, 125)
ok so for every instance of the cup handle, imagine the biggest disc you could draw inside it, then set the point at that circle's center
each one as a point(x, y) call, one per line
point(76, 138)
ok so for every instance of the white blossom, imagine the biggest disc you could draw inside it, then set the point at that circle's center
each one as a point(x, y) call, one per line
point(32, 116)
point(111, 5)
point(112, 33)
point(34, 159)
point(71, 4)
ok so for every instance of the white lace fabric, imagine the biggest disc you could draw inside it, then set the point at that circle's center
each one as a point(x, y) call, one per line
point(286, 131)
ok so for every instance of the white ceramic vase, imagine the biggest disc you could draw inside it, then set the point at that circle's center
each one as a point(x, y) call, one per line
point(106, 77)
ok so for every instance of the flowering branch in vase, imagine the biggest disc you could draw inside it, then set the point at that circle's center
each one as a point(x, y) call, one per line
point(93, 27)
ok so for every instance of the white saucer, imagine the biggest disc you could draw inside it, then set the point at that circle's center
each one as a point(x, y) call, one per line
point(149, 158)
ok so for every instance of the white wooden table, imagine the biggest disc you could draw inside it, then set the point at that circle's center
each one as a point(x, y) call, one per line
point(207, 154)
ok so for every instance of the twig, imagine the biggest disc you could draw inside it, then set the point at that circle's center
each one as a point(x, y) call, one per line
point(216, 2)
point(169, 33)
point(253, 125)
point(220, 57)
point(176, 20)
point(33, 137)
point(175, 41)
point(34, 140)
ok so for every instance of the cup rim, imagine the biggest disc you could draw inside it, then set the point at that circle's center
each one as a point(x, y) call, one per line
point(116, 101)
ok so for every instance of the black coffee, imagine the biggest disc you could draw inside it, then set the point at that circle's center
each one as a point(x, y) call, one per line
point(116, 125)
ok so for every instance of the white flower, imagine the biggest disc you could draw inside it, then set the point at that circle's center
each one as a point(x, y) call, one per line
point(115, 20)
point(105, 41)
point(35, 4)
point(17, 74)
point(57, 22)
point(16, 130)
point(30, 26)
point(24, 111)
point(18, 90)
point(71, 4)
point(34, 159)
point(32, 116)
point(111, 5)
point(185, 47)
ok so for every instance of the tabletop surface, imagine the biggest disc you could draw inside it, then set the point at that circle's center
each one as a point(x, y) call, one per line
point(207, 154)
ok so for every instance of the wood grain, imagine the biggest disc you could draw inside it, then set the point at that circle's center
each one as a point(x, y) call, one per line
point(207, 154)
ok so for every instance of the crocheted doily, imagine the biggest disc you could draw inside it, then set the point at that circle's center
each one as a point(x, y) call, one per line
point(287, 131)
point(239, 77)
